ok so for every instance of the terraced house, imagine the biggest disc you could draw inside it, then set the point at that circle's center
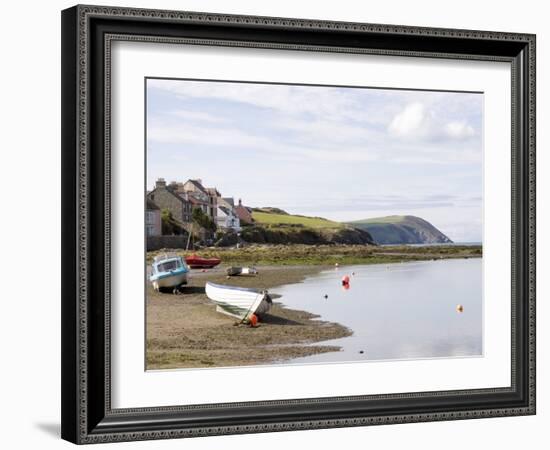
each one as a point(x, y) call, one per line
point(181, 198)
point(165, 197)
point(194, 191)
point(213, 196)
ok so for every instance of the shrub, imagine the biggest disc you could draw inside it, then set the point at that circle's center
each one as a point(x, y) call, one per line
point(170, 226)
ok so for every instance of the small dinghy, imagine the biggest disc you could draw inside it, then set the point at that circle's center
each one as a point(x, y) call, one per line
point(168, 272)
point(237, 301)
point(196, 262)
point(235, 271)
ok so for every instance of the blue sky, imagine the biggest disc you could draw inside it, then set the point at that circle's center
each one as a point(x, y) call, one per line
point(340, 153)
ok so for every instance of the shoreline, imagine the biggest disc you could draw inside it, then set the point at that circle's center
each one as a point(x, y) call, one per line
point(185, 331)
point(329, 255)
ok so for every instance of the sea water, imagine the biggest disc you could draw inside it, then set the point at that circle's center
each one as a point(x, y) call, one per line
point(396, 311)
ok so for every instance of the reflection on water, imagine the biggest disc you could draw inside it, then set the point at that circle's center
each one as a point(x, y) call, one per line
point(397, 311)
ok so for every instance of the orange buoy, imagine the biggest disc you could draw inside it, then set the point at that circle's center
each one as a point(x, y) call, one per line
point(253, 319)
point(459, 308)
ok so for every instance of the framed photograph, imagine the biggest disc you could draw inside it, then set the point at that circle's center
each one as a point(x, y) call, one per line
point(278, 224)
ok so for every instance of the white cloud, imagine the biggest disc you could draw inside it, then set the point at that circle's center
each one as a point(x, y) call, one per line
point(412, 121)
point(186, 133)
point(198, 116)
point(459, 130)
point(320, 132)
point(277, 97)
point(416, 121)
point(379, 152)
point(310, 140)
point(326, 102)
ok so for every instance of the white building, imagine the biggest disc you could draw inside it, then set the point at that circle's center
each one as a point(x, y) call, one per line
point(227, 219)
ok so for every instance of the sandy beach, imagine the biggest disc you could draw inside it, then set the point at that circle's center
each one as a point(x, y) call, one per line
point(185, 331)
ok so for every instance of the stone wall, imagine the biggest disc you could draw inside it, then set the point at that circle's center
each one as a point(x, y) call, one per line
point(158, 242)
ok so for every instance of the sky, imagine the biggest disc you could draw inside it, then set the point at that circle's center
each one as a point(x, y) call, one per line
point(342, 153)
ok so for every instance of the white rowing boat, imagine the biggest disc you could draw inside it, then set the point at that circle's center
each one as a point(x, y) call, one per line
point(237, 301)
point(235, 271)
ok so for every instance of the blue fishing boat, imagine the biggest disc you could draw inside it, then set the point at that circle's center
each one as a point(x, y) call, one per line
point(168, 272)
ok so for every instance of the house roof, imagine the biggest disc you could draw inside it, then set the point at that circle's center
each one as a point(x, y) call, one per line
point(243, 214)
point(229, 200)
point(151, 205)
point(225, 210)
point(195, 200)
point(214, 192)
point(174, 186)
point(198, 185)
point(180, 198)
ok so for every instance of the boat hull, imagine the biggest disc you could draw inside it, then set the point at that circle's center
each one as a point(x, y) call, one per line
point(196, 262)
point(170, 281)
point(236, 271)
point(238, 302)
point(202, 266)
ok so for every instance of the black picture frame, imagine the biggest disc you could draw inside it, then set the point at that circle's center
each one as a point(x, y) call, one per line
point(87, 416)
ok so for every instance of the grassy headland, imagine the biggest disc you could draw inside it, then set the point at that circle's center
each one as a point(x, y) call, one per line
point(280, 218)
point(275, 226)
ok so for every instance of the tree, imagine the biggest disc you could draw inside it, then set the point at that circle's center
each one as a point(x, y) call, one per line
point(202, 220)
point(170, 226)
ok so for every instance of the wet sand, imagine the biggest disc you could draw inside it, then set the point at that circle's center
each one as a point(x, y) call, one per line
point(185, 331)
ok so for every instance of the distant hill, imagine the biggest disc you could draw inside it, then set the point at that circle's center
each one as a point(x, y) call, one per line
point(401, 230)
point(275, 226)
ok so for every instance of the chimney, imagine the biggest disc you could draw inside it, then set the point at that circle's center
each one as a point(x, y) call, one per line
point(161, 183)
point(198, 180)
point(240, 202)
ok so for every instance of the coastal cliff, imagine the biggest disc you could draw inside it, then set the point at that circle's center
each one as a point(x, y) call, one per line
point(401, 230)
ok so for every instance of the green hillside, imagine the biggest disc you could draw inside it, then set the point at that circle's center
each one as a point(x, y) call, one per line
point(275, 226)
point(401, 230)
point(269, 218)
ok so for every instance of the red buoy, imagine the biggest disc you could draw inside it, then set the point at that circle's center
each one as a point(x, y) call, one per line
point(345, 279)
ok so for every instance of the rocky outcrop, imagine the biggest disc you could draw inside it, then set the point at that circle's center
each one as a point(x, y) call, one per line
point(303, 235)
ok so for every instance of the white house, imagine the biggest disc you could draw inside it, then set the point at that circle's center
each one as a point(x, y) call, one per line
point(226, 219)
